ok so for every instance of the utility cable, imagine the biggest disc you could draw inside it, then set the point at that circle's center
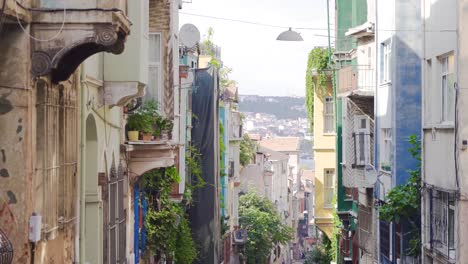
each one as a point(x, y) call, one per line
point(309, 28)
point(37, 39)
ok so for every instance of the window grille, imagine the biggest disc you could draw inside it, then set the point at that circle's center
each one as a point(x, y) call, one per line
point(365, 227)
point(117, 216)
point(385, 241)
point(6, 249)
point(442, 215)
point(57, 154)
point(328, 187)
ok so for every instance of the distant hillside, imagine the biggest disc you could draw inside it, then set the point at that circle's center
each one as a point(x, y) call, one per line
point(282, 107)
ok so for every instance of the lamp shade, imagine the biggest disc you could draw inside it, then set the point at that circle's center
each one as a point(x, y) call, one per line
point(290, 35)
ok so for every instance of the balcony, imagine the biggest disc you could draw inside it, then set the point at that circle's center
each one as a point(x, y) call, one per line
point(356, 80)
point(148, 155)
point(64, 38)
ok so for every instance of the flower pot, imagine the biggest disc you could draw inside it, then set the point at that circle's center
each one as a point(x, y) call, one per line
point(147, 137)
point(133, 135)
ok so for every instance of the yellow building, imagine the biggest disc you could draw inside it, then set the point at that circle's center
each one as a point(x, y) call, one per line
point(324, 153)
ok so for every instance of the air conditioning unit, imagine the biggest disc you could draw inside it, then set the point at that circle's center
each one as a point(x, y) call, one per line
point(240, 236)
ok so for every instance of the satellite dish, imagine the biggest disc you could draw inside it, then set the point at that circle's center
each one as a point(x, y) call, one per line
point(189, 35)
point(370, 175)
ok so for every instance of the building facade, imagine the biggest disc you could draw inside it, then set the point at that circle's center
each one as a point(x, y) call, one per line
point(325, 158)
point(398, 112)
point(443, 205)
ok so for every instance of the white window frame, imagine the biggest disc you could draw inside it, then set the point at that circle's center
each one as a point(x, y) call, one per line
point(446, 70)
point(328, 187)
point(327, 116)
point(386, 141)
point(386, 62)
point(365, 133)
point(158, 66)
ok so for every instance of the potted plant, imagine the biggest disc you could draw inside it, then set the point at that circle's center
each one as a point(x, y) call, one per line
point(157, 132)
point(138, 122)
point(166, 128)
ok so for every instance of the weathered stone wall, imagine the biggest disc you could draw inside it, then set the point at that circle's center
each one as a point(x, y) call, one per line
point(160, 21)
point(18, 168)
point(16, 140)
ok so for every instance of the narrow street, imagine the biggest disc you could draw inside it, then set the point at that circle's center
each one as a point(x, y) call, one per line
point(233, 132)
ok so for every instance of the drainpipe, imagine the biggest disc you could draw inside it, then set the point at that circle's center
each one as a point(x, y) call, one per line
point(376, 119)
point(81, 180)
point(334, 99)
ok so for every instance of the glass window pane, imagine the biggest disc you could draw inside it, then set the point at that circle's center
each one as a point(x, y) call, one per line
point(362, 157)
point(153, 89)
point(154, 48)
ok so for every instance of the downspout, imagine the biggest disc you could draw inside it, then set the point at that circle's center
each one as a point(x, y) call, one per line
point(334, 100)
point(376, 120)
point(423, 83)
point(81, 180)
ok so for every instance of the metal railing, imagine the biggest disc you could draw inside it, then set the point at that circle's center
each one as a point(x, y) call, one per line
point(353, 78)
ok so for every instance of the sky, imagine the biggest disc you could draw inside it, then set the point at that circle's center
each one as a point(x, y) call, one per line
point(261, 65)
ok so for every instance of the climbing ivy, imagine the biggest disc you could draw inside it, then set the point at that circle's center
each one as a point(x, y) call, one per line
point(247, 150)
point(208, 47)
point(319, 61)
point(166, 223)
point(403, 202)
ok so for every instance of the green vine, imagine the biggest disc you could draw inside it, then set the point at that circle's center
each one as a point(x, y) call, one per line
point(193, 163)
point(319, 62)
point(247, 150)
point(208, 47)
point(167, 227)
point(222, 149)
point(404, 200)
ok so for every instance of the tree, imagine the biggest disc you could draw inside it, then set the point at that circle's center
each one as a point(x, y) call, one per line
point(318, 255)
point(208, 47)
point(403, 203)
point(264, 225)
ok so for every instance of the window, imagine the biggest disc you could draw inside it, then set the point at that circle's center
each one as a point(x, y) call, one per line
point(385, 158)
point(349, 193)
point(386, 62)
point(328, 187)
point(117, 218)
point(361, 140)
point(328, 125)
point(154, 88)
point(56, 152)
point(442, 215)
point(447, 85)
point(385, 239)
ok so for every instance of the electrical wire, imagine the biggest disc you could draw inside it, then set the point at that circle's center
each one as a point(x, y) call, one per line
point(37, 39)
point(309, 28)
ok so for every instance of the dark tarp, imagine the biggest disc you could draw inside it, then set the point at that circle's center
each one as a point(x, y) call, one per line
point(204, 214)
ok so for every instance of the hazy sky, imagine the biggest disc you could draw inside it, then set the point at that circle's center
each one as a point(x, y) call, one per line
point(261, 65)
